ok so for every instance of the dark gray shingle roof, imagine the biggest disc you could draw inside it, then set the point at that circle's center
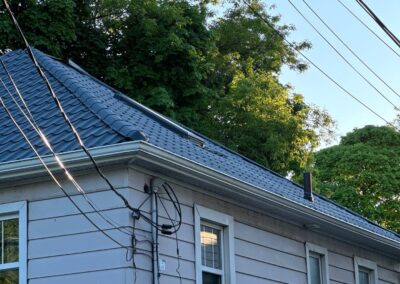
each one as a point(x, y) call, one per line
point(104, 117)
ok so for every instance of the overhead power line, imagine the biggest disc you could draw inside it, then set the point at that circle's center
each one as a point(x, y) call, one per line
point(350, 49)
point(379, 22)
point(341, 56)
point(368, 28)
point(293, 47)
point(9, 114)
point(61, 109)
point(28, 116)
point(70, 125)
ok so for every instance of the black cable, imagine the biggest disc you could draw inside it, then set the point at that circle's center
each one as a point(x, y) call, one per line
point(176, 205)
point(66, 118)
point(178, 256)
point(156, 240)
point(176, 240)
point(367, 27)
point(167, 187)
point(350, 49)
point(53, 177)
point(341, 56)
point(379, 22)
point(59, 106)
point(293, 47)
point(46, 142)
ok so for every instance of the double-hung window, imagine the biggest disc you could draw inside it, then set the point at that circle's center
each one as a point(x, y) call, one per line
point(366, 271)
point(13, 240)
point(317, 264)
point(214, 247)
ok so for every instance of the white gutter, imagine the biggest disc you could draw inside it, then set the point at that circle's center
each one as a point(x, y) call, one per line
point(258, 193)
point(143, 151)
point(32, 166)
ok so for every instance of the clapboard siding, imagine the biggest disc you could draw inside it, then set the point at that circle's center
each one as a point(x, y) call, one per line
point(341, 275)
point(341, 261)
point(247, 278)
point(103, 200)
point(267, 239)
point(269, 271)
point(83, 262)
point(63, 247)
point(120, 275)
point(270, 256)
point(72, 244)
point(388, 276)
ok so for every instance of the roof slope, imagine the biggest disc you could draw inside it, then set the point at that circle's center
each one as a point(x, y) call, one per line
point(105, 117)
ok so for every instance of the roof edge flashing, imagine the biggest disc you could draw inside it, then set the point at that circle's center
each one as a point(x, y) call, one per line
point(173, 126)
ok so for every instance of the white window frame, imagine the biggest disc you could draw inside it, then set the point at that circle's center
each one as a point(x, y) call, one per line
point(323, 254)
point(19, 210)
point(226, 222)
point(369, 265)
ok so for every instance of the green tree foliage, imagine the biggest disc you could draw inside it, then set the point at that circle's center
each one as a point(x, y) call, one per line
point(216, 75)
point(362, 173)
point(246, 42)
point(161, 59)
point(254, 114)
point(266, 122)
point(48, 24)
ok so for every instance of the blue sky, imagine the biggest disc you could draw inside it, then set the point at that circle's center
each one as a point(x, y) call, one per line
point(320, 91)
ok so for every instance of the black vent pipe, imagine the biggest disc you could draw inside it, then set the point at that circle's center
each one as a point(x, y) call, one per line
point(307, 182)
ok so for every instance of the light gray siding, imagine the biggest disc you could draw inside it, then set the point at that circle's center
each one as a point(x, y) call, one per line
point(63, 247)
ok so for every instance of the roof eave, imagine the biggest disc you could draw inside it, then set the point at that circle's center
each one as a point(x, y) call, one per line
point(169, 164)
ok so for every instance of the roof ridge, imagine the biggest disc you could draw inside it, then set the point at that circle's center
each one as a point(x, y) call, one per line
point(111, 119)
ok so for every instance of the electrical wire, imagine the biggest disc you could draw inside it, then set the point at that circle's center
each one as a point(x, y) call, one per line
point(67, 120)
point(293, 47)
point(9, 114)
point(379, 22)
point(341, 56)
point(350, 49)
point(178, 256)
point(46, 142)
point(367, 27)
point(176, 240)
point(143, 252)
point(176, 205)
point(63, 113)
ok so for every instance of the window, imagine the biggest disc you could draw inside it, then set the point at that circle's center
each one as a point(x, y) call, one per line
point(13, 240)
point(214, 247)
point(366, 271)
point(317, 264)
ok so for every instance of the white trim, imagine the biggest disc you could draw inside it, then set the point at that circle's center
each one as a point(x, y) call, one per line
point(18, 209)
point(371, 266)
point(143, 153)
point(227, 223)
point(323, 253)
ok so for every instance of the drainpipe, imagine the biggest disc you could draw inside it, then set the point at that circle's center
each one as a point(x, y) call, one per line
point(155, 185)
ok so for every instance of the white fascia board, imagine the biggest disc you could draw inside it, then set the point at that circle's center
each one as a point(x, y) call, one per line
point(120, 153)
point(170, 160)
point(139, 151)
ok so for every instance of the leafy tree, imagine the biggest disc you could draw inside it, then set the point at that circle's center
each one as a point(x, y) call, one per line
point(362, 174)
point(37, 19)
point(265, 121)
point(161, 58)
point(245, 42)
point(254, 114)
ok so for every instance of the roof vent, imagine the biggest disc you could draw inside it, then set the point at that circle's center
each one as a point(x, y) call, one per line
point(307, 182)
point(196, 140)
